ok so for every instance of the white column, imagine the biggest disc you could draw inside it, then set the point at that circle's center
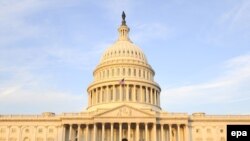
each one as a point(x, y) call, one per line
point(103, 131)
point(179, 135)
point(94, 138)
point(121, 92)
point(155, 97)
point(137, 132)
point(78, 132)
point(112, 131)
point(95, 96)
point(141, 92)
point(120, 131)
point(107, 94)
point(154, 132)
point(20, 133)
point(187, 132)
point(58, 133)
point(170, 132)
point(8, 133)
point(203, 133)
point(127, 92)
point(162, 132)
point(146, 131)
point(70, 132)
point(159, 102)
point(129, 131)
point(114, 93)
point(87, 133)
point(151, 93)
point(35, 129)
point(179, 132)
point(100, 92)
point(63, 132)
point(134, 93)
point(46, 133)
point(146, 90)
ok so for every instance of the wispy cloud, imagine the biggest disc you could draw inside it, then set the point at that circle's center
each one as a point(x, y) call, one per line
point(230, 87)
point(26, 92)
point(238, 16)
point(150, 31)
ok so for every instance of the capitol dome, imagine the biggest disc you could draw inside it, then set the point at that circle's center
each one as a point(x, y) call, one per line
point(123, 76)
point(123, 50)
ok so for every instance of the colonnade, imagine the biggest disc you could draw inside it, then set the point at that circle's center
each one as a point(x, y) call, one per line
point(130, 131)
point(126, 92)
point(128, 72)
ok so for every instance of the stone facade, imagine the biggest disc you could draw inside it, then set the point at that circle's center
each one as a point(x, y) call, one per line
point(123, 103)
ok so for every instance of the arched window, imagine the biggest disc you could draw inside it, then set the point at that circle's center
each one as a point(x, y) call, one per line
point(123, 93)
point(123, 72)
point(117, 93)
point(149, 95)
point(26, 139)
point(144, 95)
point(129, 72)
point(153, 98)
point(137, 94)
point(50, 139)
point(107, 94)
point(111, 94)
point(98, 96)
point(91, 99)
point(113, 72)
point(130, 94)
point(103, 95)
point(139, 73)
point(134, 72)
point(118, 72)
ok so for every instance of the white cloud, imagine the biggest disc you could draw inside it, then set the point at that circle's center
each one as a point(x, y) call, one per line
point(148, 31)
point(231, 87)
point(77, 57)
point(13, 24)
point(237, 17)
point(27, 92)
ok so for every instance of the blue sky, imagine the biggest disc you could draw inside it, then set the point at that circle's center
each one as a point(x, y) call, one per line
point(200, 51)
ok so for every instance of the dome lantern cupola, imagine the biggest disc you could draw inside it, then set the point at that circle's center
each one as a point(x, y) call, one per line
point(123, 29)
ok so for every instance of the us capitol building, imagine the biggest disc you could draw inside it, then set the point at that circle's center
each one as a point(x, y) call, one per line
point(123, 104)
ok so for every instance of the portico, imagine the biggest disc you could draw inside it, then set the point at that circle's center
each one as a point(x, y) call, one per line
point(132, 131)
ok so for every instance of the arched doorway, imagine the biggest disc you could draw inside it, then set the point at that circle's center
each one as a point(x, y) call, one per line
point(26, 139)
point(124, 139)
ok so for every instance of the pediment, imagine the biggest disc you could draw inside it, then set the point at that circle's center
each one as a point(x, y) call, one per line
point(124, 111)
